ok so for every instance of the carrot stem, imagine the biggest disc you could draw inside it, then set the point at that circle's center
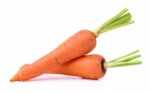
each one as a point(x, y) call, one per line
point(120, 64)
point(123, 18)
point(131, 53)
point(128, 58)
point(125, 60)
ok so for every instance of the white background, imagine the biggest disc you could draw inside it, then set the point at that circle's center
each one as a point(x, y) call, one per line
point(31, 28)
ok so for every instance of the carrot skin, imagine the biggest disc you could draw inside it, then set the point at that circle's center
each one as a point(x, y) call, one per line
point(78, 45)
point(89, 66)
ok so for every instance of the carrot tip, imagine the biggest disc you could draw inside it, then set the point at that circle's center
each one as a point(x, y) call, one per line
point(15, 78)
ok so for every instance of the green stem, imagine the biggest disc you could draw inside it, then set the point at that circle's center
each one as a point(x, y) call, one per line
point(128, 58)
point(131, 53)
point(123, 18)
point(125, 60)
point(120, 64)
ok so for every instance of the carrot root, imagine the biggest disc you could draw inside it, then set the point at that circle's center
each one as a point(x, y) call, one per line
point(88, 66)
point(94, 66)
point(15, 78)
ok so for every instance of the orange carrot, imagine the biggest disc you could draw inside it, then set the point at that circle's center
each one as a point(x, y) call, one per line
point(89, 66)
point(94, 66)
point(76, 46)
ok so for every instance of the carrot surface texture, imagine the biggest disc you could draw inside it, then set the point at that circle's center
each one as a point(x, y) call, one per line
point(94, 66)
point(76, 46)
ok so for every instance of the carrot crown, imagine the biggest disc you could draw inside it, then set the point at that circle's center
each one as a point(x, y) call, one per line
point(123, 18)
point(126, 60)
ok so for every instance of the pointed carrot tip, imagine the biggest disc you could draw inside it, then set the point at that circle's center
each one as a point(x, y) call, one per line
point(12, 80)
point(15, 78)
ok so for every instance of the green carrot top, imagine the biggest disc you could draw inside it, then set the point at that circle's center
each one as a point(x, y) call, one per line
point(123, 18)
point(126, 60)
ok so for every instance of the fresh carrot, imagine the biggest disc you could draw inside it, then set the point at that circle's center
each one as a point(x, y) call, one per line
point(77, 45)
point(94, 66)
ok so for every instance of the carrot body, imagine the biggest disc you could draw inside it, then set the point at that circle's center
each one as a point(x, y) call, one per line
point(78, 45)
point(89, 66)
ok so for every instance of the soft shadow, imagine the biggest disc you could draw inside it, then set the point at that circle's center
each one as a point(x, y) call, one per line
point(59, 77)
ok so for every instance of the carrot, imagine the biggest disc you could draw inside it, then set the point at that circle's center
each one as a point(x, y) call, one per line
point(89, 66)
point(94, 66)
point(77, 45)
